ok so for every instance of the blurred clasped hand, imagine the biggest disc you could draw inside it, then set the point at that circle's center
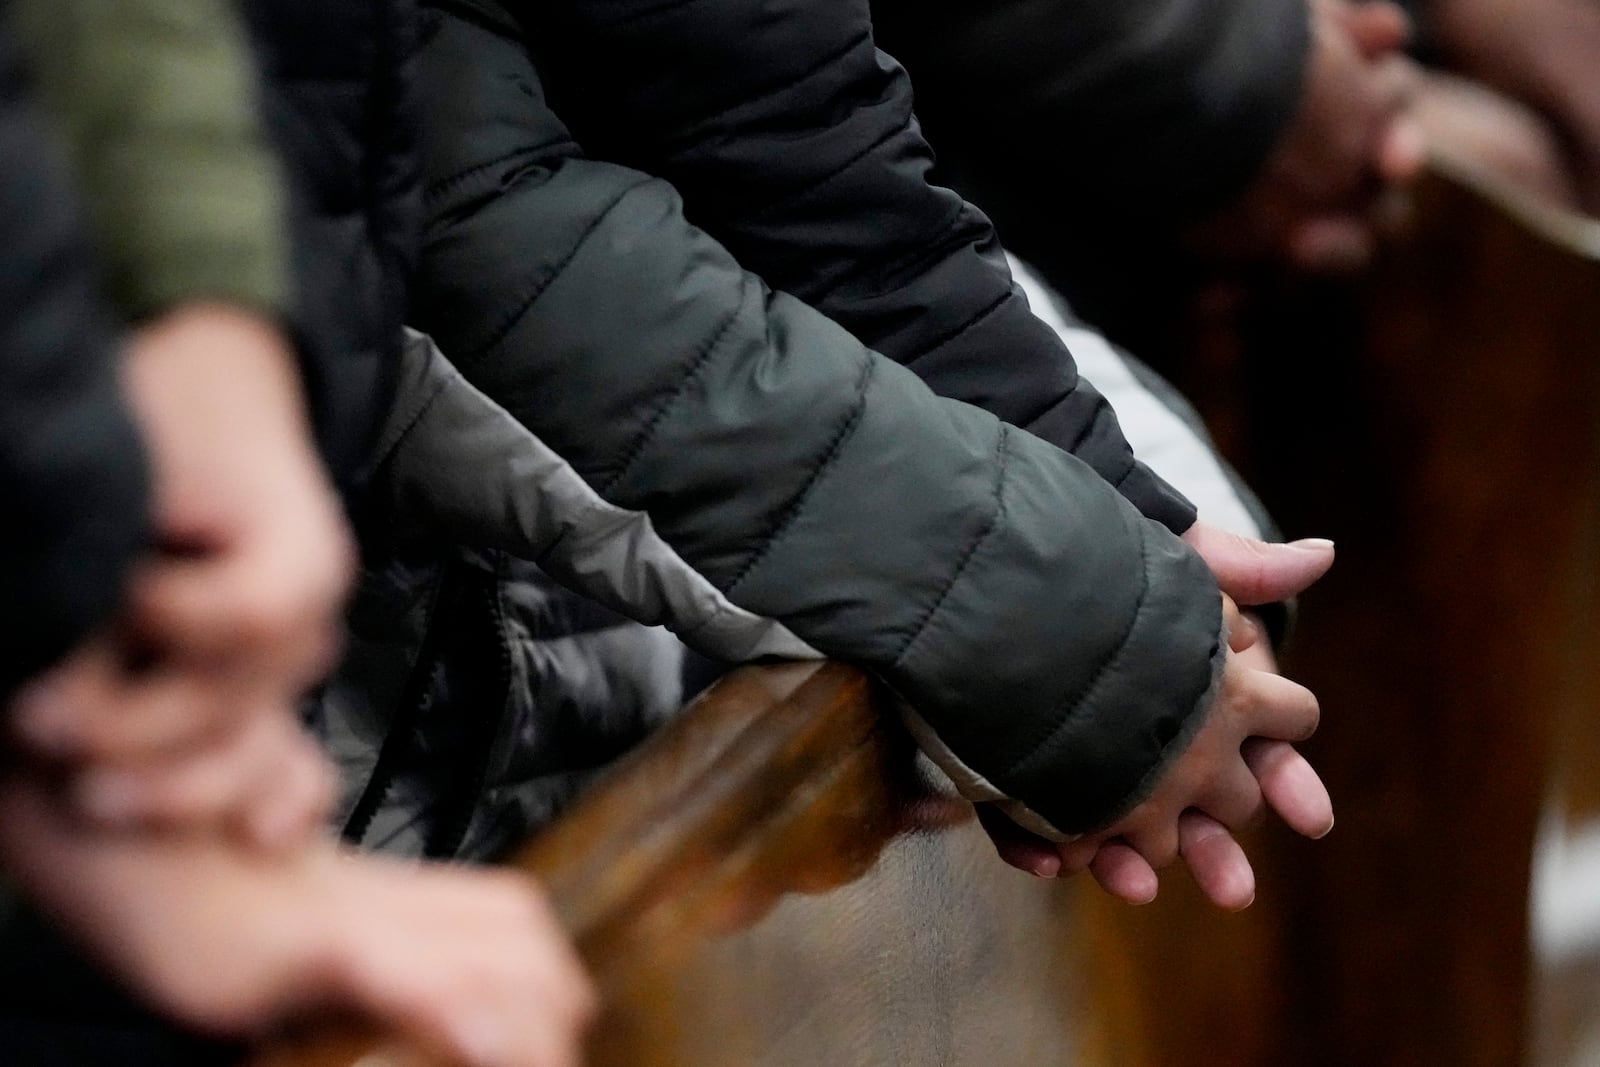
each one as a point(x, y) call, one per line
point(1336, 182)
point(184, 713)
point(166, 805)
point(469, 964)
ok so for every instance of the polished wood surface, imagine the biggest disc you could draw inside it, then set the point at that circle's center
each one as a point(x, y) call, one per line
point(777, 878)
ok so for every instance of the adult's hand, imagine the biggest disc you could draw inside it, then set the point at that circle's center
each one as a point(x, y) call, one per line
point(185, 713)
point(469, 964)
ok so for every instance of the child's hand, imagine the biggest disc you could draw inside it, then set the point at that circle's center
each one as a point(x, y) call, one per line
point(1237, 763)
point(1219, 784)
point(469, 964)
point(184, 714)
point(130, 757)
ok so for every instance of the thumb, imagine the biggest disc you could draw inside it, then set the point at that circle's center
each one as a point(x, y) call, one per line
point(1257, 572)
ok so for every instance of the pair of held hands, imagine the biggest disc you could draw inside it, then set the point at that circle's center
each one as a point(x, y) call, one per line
point(1240, 762)
point(168, 808)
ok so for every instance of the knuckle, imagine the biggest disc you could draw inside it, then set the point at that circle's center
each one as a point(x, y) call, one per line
point(1159, 848)
point(1250, 811)
point(1310, 714)
point(266, 616)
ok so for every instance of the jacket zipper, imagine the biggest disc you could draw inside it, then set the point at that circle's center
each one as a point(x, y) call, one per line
point(451, 830)
point(414, 703)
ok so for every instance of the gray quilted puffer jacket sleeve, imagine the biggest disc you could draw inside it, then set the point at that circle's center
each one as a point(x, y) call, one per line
point(1058, 647)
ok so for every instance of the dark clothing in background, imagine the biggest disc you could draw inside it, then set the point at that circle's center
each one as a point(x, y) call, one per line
point(73, 488)
point(1145, 111)
point(1092, 130)
point(336, 85)
point(72, 475)
point(71, 483)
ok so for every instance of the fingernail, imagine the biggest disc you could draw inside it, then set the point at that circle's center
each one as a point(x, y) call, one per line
point(43, 720)
point(1043, 868)
point(1326, 832)
point(109, 797)
point(1312, 544)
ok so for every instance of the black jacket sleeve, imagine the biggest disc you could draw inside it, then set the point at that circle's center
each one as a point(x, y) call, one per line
point(792, 141)
point(72, 476)
point(1125, 113)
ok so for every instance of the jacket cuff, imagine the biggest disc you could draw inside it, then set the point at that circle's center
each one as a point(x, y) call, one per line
point(1118, 740)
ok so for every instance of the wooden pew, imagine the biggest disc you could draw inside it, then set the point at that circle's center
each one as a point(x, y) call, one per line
point(778, 878)
point(1441, 421)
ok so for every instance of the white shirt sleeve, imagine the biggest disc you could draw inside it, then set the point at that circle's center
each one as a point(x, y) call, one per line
point(1162, 439)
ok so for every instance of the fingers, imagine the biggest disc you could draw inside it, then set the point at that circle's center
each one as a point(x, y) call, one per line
point(487, 976)
point(1240, 634)
point(1256, 653)
point(1218, 865)
point(1377, 27)
point(278, 615)
point(1290, 786)
point(1274, 707)
point(293, 803)
point(1021, 849)
point(115, 719)
point(1232, 797)
point(1121, 871)
point(1258, 572)
point(1154, 839)
point(269, 781)
point(66, 712)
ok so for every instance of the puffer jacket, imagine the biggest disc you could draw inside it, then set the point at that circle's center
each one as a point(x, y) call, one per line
point(73, 481)
point(477, 697)
point(647, 420)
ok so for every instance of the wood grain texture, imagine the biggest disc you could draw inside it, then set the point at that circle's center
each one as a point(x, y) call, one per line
point(777, 878)
point(1441, 422)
